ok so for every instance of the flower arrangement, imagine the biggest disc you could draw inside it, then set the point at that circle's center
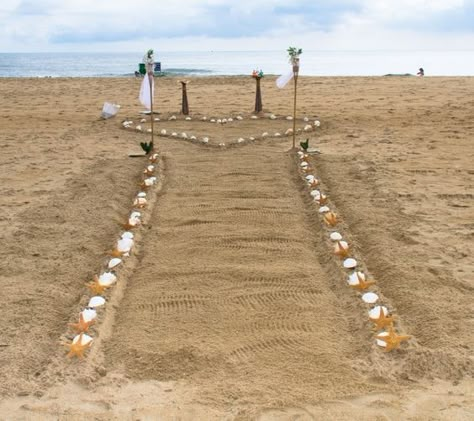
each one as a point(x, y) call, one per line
point(257, 74)
point(294, 55)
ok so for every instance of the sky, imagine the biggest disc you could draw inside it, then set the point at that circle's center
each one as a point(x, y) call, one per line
point(239, 25)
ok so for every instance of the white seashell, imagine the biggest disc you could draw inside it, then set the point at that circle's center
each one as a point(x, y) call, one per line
point(355, 277)
point(288, 132)
point(230, 119)
point(143, 120)
point(150, 168)
point(306, 119)
point(240, 140)
point(380, 342)
point(219, 121)
point(350, 263)
point(114, 262)
point(156, 119)
point(124, 245)
point(85, 339)
point(148, 130)
point(140, 201)
point(213, 120)
point(309, 177)
point(163, 132)
point(133, 222)
point(174, 134)
point(138, 128)
point(127, 234)
point(224, 120)
point(277, 134)
point(251, 138)
point(107, 278)
point(173, 117)
point(184, 135)
point(374, 313)
point(254, 117)
point(304, 164)
point(272, 117)
point(308, 128)
point(240, 118)
point(193, 137)
point(315, 193)
point(317, 123)
point(141, 194)
point(136, 214)
point(300, 153)
point(188, 118)
point(335, 236)
point(204, 118)
point(205, 140)
point(221, 144)
point(88, 314)
point(96, 301)
point(370, 298)
point(148, 181)
point(264, 134)
point(289, 118)
point(324, 209)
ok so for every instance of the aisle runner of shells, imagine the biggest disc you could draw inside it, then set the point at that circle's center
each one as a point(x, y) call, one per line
point(386, 335)
point(308, 127)
point(81, 342)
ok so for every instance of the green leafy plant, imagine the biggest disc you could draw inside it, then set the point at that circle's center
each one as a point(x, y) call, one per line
point(294, 54)
point(305, 145)
point(147, 147)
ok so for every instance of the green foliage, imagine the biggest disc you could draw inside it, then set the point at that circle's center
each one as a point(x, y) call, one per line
point(305, 145)
point(294, 53)
point(147, 147)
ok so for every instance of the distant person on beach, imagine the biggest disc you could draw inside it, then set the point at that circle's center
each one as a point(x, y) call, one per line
point(421, 72)
point(137, 73)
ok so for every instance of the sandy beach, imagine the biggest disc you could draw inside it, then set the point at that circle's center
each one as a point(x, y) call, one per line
point(232, 304)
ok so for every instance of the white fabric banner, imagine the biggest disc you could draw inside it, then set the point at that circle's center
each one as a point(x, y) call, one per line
point(284, 79)
point(144, 96)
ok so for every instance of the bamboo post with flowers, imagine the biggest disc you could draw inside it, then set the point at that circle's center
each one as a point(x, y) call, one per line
point(294, 57)
point(258, 75)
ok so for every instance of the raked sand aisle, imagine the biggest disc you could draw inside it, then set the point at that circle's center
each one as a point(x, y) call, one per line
point(230, 299)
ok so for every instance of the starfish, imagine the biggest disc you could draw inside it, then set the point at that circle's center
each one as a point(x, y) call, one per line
point(363, 284)
point(322, 199)
point(392, 339)
point(95, 286)
point(82, 325)
point(77, 348)
point(115, 253)
point(383, 321)
point(330, 218)
point(341, 249)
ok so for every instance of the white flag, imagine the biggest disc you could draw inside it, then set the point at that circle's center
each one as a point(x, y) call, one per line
point(284, 79)
point(144, 96)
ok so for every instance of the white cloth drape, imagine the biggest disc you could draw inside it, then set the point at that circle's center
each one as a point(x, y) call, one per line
point(284, 79)
point(144, 96)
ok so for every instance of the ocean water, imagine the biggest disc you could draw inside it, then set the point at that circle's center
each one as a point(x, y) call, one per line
point(209, 63)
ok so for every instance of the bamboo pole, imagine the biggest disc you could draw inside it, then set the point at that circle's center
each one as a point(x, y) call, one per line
point(296, 68)
point(150, 82)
